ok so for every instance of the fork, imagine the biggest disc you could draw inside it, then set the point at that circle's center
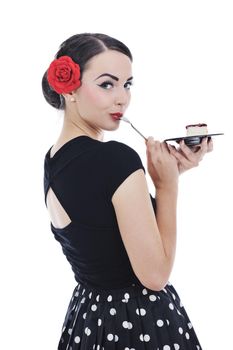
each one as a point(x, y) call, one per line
point(128, 121)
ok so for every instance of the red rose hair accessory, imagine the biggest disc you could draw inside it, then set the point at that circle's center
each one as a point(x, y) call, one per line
point(64, 75)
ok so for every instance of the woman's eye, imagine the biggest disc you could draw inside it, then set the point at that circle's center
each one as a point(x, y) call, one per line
point(128, 84)
point(106, 85)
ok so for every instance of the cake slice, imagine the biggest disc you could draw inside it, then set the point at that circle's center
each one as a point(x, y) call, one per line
point(196, 129)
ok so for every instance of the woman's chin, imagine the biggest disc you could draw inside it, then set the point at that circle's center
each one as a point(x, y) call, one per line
point(112, 127)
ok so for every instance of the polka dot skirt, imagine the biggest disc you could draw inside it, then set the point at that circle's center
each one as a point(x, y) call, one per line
point(132, 318)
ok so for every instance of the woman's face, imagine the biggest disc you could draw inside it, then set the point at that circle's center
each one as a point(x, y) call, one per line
point(105, 89)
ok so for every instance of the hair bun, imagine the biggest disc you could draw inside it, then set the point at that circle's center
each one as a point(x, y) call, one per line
point(51, 96)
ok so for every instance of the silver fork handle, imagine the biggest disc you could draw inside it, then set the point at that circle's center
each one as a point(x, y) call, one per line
point(138, 131)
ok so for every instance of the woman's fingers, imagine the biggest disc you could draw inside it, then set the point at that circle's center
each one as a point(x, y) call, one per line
point(190, 157)
point(210, 145)
point(186, 160)
point(186, 157)
point(153, 146)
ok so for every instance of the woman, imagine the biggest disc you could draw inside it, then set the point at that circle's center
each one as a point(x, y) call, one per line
point(119, 241)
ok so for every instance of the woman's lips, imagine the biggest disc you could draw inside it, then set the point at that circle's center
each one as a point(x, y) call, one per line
point(116, 116)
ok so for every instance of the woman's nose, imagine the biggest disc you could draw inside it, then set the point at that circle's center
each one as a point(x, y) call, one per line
point(122, 96)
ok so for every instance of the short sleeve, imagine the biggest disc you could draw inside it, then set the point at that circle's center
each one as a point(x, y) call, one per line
point(121, 161)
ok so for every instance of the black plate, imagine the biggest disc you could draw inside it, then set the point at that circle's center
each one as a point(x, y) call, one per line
point(193, 140)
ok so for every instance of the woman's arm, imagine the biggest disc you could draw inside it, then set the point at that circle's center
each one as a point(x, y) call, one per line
point(164, 172)
point(150, 240)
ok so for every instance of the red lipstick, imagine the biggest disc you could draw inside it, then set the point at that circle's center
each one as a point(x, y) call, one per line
point(116, 116)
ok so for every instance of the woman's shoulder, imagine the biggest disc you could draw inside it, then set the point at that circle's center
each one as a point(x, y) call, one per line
point(119, 147)
point(120, 154)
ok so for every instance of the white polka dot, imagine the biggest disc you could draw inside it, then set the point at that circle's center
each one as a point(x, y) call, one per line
point(98, 347)
point(125, 300)
point(187, 335)
point(87, 331)
point(160, 323)
point(144, 291)
point(70, 331)
point(83, 300)
point(77, 339)
point(198, 347)
point(180, 330)
point(110, 337)
point(90, 294)
point(178, 312)
point(190, 325)
point(126, 295)
point(171, 306)
point(127, 324)
point(94, 307)
point(83, 291)
point(166, 347)
point(112, 311)
point(164, 289)
point(99, 322)
point(152, 297)
point(141, 312)
point(97, 298)
point(76, 294)
point(146, 337)
point(173, 295)
point(116, 338)
point(109, 298)
point(168, 322)
point(84, 315)
point(63, 329)
point(176, 346)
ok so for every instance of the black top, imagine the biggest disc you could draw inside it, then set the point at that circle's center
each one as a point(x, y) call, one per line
point(84, 174)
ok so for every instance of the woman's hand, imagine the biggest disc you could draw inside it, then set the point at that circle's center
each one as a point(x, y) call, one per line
point(187, 157)
point(162, 165)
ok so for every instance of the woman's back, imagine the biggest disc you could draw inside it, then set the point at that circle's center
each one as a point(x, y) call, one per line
point(83, 175)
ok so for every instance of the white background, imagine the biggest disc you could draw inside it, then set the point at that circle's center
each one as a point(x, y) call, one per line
point(183, 74)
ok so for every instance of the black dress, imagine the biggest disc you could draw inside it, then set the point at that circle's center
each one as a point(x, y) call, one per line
point(109, 308)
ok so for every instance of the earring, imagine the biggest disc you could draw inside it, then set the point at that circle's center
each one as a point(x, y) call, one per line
point(72, 99)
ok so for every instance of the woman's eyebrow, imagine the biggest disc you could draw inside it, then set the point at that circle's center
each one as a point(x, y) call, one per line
point(111, 76)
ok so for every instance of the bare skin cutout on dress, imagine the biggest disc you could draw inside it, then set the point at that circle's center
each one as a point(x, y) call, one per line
point(59, 218)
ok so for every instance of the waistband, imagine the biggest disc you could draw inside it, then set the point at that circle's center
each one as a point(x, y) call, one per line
point(108, 295)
